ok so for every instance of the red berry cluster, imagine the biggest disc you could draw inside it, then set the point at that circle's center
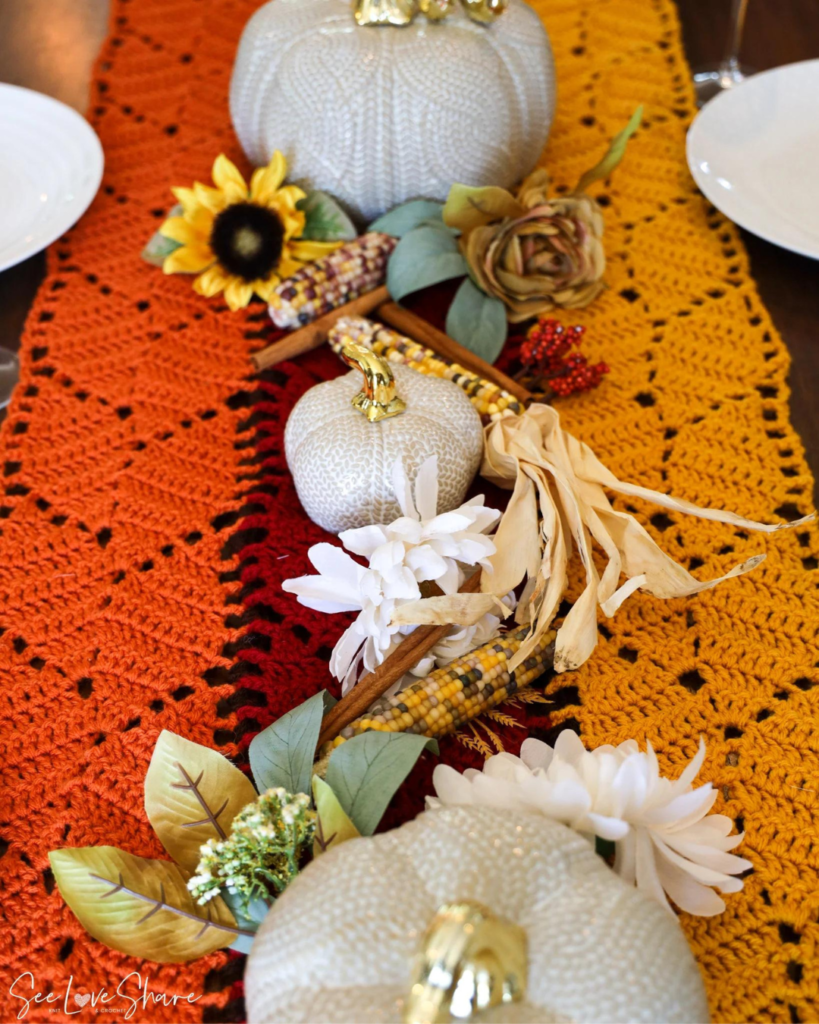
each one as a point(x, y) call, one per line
point(544, 355)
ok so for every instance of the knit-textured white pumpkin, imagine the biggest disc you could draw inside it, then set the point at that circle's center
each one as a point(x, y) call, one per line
point(378, 115)
point(338, 945)
point(342, 464)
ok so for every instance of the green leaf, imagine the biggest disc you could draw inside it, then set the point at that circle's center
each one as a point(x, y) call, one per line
point(423, 257)
point(248, 922)
point(192, 794)
point(282, 754)
point(140, 907)
point(365, 772)
point(614, 155)
point(405, 218)
point(325, 221)
point(468, 208)
point(333, 826)
point(477, 321)
point(159, 247)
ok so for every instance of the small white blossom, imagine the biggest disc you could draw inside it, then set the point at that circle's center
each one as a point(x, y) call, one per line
point(665, 840)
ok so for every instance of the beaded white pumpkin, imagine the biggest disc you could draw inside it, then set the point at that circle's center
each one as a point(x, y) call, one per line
point(377, 115)
point(342, 464)
point(338, 945)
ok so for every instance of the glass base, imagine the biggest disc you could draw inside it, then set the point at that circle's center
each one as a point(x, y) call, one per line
point(9, 375)
point(710, 81)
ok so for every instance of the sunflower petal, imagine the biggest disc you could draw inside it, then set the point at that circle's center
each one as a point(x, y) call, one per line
point(238, 293)
point(265, 288)
point(178, 229)
point(187, 197)
point(211, 199)
point(211, 282)
point(307, 251)
point(190, 259)
point(266, 180)
point(227, 178)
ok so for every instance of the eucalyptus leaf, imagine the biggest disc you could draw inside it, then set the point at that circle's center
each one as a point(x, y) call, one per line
point(424, 256)
point(283, 753)
point(405, 218)
point(248, 919)
point(614, 154)
point(325, 221)
point(468, 208)
point(333, 827)
point(477, 321)
point(140, 907)
point(159, 247)
point(192, 794)
point(365, 772)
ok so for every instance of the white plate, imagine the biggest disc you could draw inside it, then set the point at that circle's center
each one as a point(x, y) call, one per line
point(754, 152)
point(50, 169)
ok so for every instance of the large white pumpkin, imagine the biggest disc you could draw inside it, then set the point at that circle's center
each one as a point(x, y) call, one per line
point(377, 115)
point(338, 945)
point(342, 464)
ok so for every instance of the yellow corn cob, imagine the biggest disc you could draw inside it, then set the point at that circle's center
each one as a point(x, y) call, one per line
point(491, 401)
point(452, 696)
point(355, 268)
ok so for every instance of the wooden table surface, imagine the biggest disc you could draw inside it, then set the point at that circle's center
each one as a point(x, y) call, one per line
point(50, 45)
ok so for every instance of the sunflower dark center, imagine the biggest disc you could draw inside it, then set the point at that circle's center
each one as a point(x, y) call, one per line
point(247, 240)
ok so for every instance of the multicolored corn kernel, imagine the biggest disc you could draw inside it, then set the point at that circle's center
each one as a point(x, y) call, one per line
point(491, 401)
point(452, 696)
point(355, 268)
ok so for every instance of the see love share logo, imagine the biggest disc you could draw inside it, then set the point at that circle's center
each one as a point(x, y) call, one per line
point(81, 998)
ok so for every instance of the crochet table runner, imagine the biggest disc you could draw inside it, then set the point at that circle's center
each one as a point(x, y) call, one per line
point(148, 519)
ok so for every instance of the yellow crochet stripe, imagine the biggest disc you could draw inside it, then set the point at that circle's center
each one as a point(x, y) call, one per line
point(696, 405)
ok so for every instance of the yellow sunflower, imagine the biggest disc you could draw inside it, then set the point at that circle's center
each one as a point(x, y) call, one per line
point(237, 239)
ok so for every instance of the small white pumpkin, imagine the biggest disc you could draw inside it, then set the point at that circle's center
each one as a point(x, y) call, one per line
point(342, 463)
point(377, 115)
point(339, 944)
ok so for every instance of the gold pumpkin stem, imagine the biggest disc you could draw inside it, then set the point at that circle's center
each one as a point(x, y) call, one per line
point(378, 400)
point(385, 12)
point(470, 959)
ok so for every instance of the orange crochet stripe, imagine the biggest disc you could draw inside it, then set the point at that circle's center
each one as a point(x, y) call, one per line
point(125, 462)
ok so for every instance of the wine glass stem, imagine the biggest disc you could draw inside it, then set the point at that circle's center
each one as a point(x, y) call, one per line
point(738, 12)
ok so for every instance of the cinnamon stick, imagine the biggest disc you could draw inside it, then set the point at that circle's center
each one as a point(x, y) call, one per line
point(408, 653)
point(419, 330)
point(305, 339)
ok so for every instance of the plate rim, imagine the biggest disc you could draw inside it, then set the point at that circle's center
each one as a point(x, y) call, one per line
point(78, 211)
point(705, 181)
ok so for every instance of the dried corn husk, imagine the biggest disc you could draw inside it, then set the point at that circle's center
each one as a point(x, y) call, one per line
point(558, 504)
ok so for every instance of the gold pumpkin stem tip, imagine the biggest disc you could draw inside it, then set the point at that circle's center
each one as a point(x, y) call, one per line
point(485, 11)
point(385, 12)
point(470, 959)
point(378, 399)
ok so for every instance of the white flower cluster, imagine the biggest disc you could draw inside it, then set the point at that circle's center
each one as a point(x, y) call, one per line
point(262, 853)
point(665, 840)
point(417, 547)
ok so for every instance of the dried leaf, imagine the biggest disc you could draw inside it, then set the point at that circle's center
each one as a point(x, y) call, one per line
point(468, 208)
point(192, 794)
point(140, 907)
point(449, 609)
point(333, 827)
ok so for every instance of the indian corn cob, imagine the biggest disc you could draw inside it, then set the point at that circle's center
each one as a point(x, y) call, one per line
point(491, 401)
point(357, 267)
point(453, 695)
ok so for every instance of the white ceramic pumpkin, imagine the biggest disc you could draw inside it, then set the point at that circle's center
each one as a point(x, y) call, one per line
point(342, 463)
point(377, 115)
point(339, 944)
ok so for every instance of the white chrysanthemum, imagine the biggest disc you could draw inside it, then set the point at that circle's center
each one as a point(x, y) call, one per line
point(417, 547)
point(665, 840)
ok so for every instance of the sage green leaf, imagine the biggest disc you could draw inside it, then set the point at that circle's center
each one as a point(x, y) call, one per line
point(477, 321)
point(325, 221)
point(282, 754)
point(248, 919)
point(424, 256)
point(614, 155)
point(405, 218)
point(468, 208)
point(140, 907)
point(192, 794)
point(333, 826)
point(365, 772)
point(159, 247)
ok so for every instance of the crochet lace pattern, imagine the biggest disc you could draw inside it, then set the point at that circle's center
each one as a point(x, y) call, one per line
point(147, 518)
